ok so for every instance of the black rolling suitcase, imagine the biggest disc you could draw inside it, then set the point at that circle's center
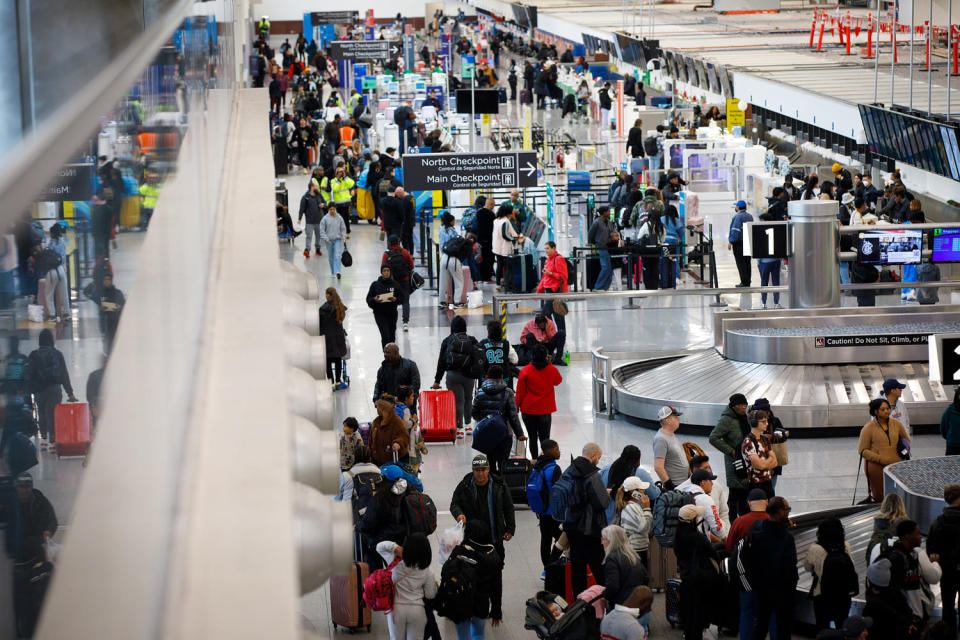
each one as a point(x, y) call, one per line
point(517, 472)
point(592, 271)
point(521, 276)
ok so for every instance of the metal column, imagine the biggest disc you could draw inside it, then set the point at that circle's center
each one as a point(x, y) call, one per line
point(814, 269)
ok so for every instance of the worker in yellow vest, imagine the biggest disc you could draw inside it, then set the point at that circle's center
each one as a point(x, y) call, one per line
point(263, 27)
point(323, 184)
point(149, 192)
point(342, 190)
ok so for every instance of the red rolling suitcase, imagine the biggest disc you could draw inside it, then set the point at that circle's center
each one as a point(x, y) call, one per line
point(71, 423)
point(438, 415)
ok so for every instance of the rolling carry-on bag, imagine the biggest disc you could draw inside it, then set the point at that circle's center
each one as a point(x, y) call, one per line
point(438, 415)
point(592, 270)
point(668, 273)
point(672, 604)
point(663, 565)
point(347, 608)
point(522, 274)
point(558, 578)
point(517, 472)
point(71, 423)
point(637, 165)
point(526, 97)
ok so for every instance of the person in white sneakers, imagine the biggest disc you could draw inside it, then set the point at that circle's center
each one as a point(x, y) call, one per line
point(701, 483)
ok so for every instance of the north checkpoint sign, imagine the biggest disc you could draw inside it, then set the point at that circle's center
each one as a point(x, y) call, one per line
point(442, 171)
point(364, 49)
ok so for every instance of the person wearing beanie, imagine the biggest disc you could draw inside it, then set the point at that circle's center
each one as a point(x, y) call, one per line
point(886, 607)
point(536, 398)
point(844, 181)
point(730, 431)
point(454, 360)
point(382, 298)
point(47, 377)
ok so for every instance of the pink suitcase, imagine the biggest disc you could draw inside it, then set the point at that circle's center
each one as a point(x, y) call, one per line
point(438, 415)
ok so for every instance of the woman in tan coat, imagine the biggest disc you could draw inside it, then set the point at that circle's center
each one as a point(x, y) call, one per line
point(388, 434)
point(878, 444)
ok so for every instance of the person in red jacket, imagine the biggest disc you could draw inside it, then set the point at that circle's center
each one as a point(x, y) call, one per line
point(555, 279)
point(535, 396)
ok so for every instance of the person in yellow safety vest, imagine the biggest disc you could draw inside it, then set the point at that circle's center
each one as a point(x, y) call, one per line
point(342, 190)
point(322, 183)
point(263, 27)
point(355, 98)
point(149, 192)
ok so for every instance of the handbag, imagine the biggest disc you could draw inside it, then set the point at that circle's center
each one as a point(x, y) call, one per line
point(780, 450)
point(416, 281)
point(560, 307)
point(345, 258)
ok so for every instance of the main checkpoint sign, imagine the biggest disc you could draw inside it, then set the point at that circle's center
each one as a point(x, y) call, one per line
point(364, 49)
point(442, 171)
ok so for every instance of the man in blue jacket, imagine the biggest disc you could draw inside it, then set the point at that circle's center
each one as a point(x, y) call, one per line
point(735, 242)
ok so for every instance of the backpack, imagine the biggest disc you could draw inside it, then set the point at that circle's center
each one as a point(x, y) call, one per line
point(365, 488)
point(538, 489)
point(455, 594)
point(650, 146)
point(460, 354)
point(400, 116)
point(469, 221)
point(420, 512)
point(455, 247)
point(399, 267)
point(46, 369)
point(378, 588)
point(566, 500)
point(881, 537)
point(666, 514)
point(47, 260)
point(490, 433)
point(839, 579)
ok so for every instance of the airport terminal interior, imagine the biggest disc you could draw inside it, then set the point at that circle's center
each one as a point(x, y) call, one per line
point(670, 230)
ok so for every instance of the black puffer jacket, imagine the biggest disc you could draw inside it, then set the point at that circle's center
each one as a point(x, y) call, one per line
point(332, 331)
point(492, 395)
point(488, 584)
point(465, 502)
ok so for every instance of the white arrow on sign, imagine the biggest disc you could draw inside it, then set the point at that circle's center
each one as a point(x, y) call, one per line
point(956, 374)
point(394, 50)
point(530, 169)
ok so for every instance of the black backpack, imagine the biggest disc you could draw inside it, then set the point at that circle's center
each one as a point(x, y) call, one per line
point(365, 488)
point(399, 267)
point(839, 579)
point(47, 260)
point(456, 247)
point(400, 116)
point(650, 146)
point(455, 594)
point(46, 369)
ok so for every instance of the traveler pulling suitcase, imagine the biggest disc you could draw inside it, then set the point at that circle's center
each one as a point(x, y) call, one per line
point(347, 608)
point(438, 415)
point(517, 472)
point(71, 424)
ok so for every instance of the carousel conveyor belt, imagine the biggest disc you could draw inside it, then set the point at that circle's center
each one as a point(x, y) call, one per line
point(810, 399)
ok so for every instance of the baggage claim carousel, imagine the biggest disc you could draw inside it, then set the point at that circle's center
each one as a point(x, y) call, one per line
point(819, 368)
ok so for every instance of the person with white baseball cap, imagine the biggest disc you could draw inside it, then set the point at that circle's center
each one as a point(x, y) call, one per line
point(636, 517)
point(669, 460)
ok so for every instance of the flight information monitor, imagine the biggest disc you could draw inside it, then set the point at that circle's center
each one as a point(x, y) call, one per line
point(889, 247)
point(946, 245)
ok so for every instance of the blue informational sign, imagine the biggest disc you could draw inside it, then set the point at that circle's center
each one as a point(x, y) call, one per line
point(359, 69)
point(409, 52)
point(370, 33)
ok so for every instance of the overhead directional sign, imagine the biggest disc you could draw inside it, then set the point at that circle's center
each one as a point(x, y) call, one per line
point(950, 364)
point(334, 17)
point(72, 182)
point(439, 171)
point(364, 49)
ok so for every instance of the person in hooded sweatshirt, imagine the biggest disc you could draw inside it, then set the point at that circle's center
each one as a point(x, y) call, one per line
point(535, 396)
point(412, 582)
point(458, 380)
point(46, 374)
point(388, 435)
point(382, 298)
point(493, 397)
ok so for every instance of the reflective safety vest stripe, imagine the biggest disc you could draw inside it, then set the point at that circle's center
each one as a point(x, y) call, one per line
point(324, 188)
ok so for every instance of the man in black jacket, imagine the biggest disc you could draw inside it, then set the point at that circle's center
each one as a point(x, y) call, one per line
point(331, 134)
point(382, 298)
point(777, 211)
point(393, 209)
point(943, 546)
point(584, 533)
point(606, 103)
point(774, 573)
point(485, 218)
point(495, 397)
point(38, 521)
point(312, 207)
point(395, 372)
point(480, 496)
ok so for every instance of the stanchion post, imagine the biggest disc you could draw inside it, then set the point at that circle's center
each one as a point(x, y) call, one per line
point(503, 318)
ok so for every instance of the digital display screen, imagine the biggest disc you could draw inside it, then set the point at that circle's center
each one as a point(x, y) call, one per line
point(702, 80)
point(525, 16)
point(889, 247)
point(486, 101)
point(712, 78)
point(725, 82)
point(946, 245)
point(692, 77)
point(631, 49)
point(929, 144)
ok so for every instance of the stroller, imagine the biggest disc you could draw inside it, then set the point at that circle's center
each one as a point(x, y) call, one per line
point(578, 622)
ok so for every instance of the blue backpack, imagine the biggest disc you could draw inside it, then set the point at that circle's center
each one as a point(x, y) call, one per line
point(538, 489)
point(469, 222)
point(566, 501)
